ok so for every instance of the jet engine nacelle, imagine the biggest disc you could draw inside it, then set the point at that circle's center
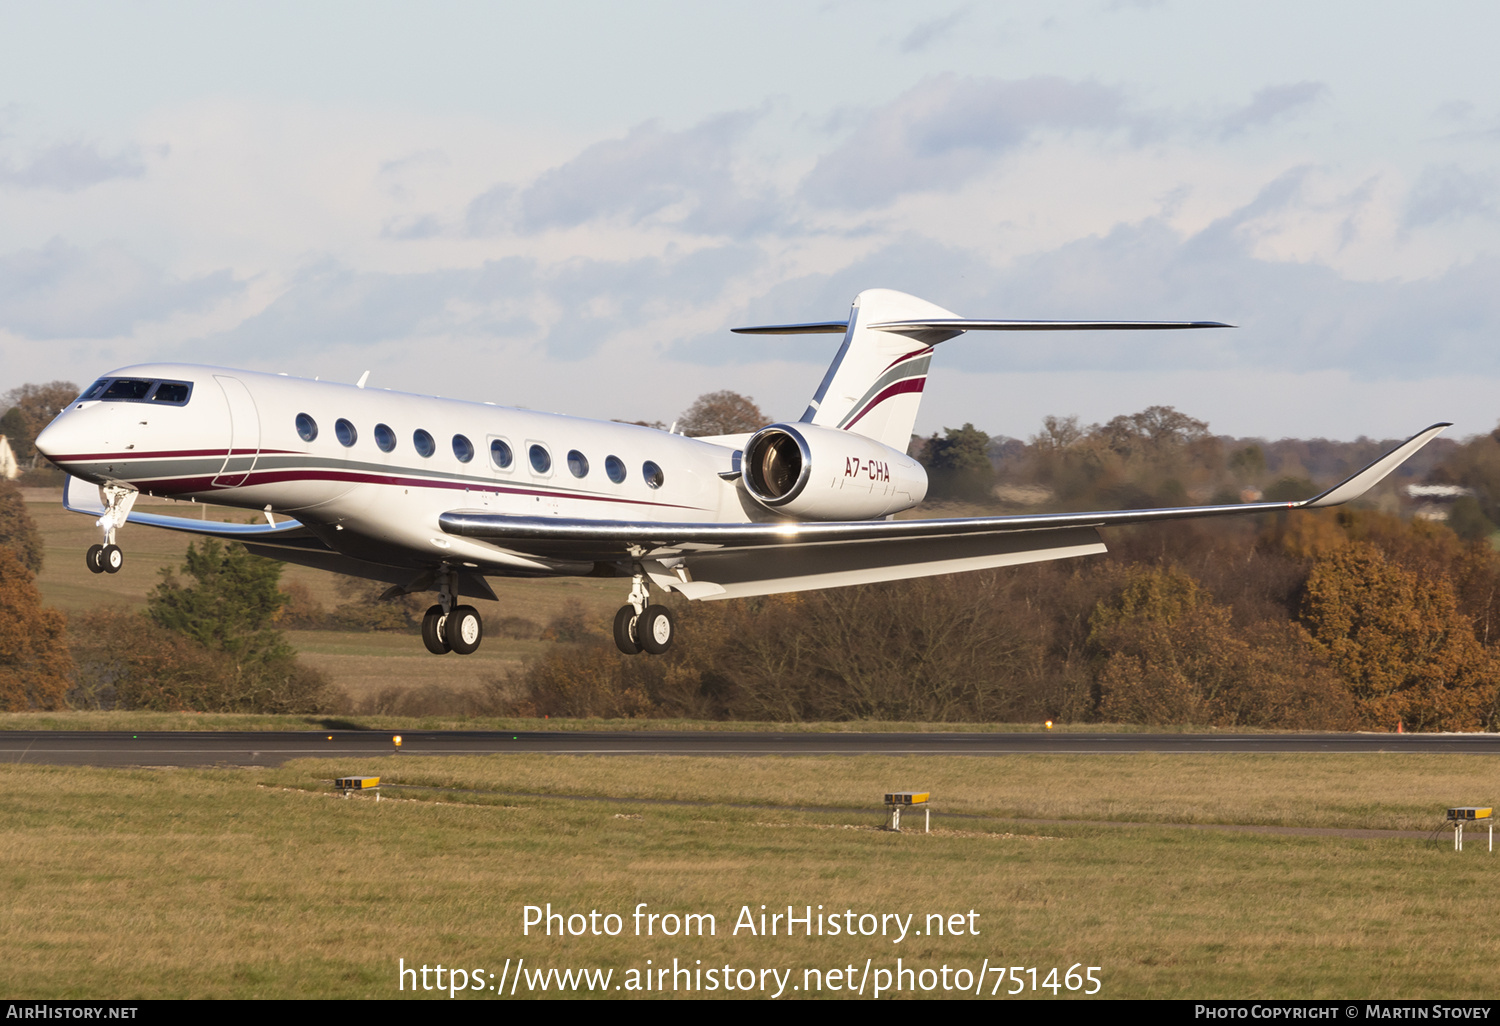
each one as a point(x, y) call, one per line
point(820, 473)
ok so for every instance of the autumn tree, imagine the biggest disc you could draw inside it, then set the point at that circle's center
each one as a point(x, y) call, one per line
point(30, 408)
point(35, 668)
point(17, 530)
point(1171, 655)
point(721, 413)
point(1398, 638)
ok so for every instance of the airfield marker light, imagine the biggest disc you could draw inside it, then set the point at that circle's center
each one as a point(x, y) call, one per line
point(1049, 724)
point(397, 742)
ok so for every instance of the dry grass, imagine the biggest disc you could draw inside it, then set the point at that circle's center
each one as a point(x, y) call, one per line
point(67, 584)
point(361, 663)
point(182, 883)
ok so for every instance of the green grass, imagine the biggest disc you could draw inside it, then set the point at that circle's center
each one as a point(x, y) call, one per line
point(256, 883)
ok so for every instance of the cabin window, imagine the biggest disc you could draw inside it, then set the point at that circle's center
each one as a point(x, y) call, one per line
point(385, 438)
point(653, 475)
point(541, 459)
point(463, 448)
point(423, 443)
point(307, 428)
point(347, 436)
point(501, 454)
point(615, 468)
point(578, 463)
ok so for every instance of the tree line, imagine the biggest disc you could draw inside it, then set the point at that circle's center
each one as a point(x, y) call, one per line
point(1351, 618)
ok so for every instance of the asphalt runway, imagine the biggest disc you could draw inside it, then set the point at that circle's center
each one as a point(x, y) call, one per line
point(271, 748)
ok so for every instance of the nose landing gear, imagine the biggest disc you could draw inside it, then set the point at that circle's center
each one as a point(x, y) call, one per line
point(640, 626)
point(108, 557)
point(104, 559)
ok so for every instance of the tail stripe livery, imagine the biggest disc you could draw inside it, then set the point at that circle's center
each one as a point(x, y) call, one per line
point(907, 374)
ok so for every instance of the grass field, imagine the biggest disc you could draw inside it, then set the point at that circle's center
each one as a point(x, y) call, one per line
point(257, 883)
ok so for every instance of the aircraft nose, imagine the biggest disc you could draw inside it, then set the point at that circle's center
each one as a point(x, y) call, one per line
point(59, 438)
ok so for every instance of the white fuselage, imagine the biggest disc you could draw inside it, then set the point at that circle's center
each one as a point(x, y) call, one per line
point(371, 493)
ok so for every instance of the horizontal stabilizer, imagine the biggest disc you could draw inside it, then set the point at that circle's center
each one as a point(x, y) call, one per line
point(958, 324)
point(818, 328)
point(955, 325)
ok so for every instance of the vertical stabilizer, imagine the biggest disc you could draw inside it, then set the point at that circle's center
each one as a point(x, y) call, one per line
point(874, 385)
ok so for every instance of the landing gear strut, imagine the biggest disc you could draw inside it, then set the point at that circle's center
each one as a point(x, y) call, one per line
point(448, 627)
point(640, 626)
point(107, 558)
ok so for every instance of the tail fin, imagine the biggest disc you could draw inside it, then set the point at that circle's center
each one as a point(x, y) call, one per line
point(874, 385)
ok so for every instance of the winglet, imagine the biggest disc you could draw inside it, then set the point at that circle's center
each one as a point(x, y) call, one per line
point(1368, 478)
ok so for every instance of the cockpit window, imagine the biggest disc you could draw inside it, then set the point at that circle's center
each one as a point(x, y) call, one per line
point(127, 388)
point(175, 392)
point(139, 390)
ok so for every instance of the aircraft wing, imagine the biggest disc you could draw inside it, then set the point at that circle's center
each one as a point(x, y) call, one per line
point(726, 560)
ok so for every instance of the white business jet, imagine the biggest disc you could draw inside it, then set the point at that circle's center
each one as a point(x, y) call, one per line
point(431, 494)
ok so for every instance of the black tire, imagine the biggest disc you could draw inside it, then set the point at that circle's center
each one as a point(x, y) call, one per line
point(94, 558)
point(111, 559)
point(433, 635)
point(656, 629)
point(463, 630)
point(625, 622)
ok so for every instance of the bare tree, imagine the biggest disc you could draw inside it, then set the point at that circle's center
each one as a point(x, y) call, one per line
point(30, 408)
point(721, 413)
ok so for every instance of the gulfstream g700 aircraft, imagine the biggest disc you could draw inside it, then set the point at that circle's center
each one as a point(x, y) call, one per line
point(432, 494)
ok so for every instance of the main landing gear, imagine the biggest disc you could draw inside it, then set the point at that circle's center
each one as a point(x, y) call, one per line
point(448, 627)
point(107, 558)
point(640, 626)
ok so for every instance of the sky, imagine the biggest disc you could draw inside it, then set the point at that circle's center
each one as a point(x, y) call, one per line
point(566, 206)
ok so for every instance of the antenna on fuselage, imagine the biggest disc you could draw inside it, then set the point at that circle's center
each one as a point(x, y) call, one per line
point(362, 379)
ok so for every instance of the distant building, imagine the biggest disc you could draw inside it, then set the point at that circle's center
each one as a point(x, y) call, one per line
point(1435, 502)
point(9, 468)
